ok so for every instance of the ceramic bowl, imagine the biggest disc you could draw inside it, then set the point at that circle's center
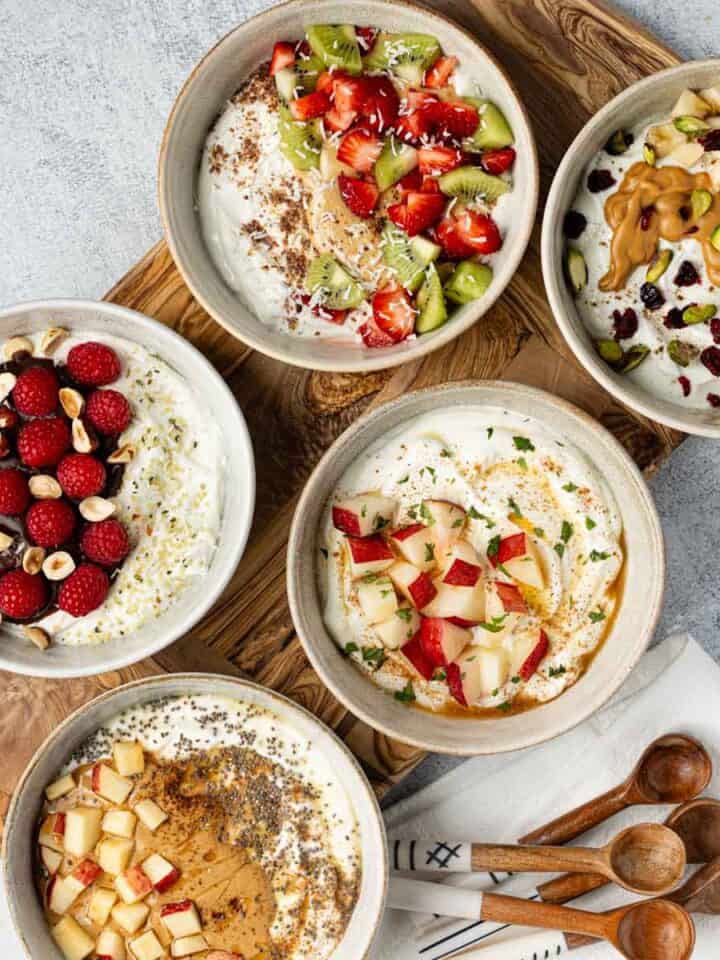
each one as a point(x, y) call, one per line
point(218, 76)
point(629, 634)
point(21, 821)
point(18, 654)
point(653, 96)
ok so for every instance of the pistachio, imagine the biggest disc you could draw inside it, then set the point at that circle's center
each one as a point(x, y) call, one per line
point(58, 565)
point(634, 357)
point(7, 384)
point(659, 264)
point(618, 143)
point(701, 201)
point(610, 351)
point(72, 402)
point(692, 126)
point(123, 454)
point(649, 155)
point(715, 237)
point(699, 313)
point(37, 636)
point(96, 508)
point(52, 338)
point(680, 353)
point(576, 269)
point(44, 487)
point(32, 560)
point(6, 541)
point(83, 438)
point(17, 345)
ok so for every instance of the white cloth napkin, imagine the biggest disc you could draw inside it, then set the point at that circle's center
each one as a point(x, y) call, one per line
point(675, 688)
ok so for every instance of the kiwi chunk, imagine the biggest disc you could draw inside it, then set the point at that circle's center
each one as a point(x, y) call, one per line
point(469, 281)
point(407, 55)
point(336, 46)
point(287, 83)
point(300, 142)
point(431, 303)
point(407, 257)
point(395, 161)
point(333, 284)
point(307, 71)
point(493, 131)
point(575, 269)
point(469, 183)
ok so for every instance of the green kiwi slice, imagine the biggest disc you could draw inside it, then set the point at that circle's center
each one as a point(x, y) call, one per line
point(469, 183)
point(493, 131)
point(336, 46)
point(407, 55)
point(431, 303)
point(395, 161)
point(407, 257)
point(469, 281)
point(300, 142)
point(333, 283)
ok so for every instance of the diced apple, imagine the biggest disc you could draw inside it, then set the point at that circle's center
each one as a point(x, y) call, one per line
point(181, 918)
point(130, 916)
point(147, 947)
point(72, 939)
point(527, 570)
point(101, 903)
point(442, 641)
point(61, 893)
point(460, 573)
point(455, 683)
point(133, 884)
point(689, 104)
point(711, 96)
point(463, 605)
point(446, 519)
point(516, 545)
point(161, 872)
point(368, 555)
point(482, 671)
point(150, 814)
point(85, 873)
point(416, 545)
point(528, 656)
point(51, 859)
point(129, 758)
point(416, 658)
point(114, 854)
point(187, 946)
point(110, 946)
point(400, 628)
point(377, 598)
point(82, 830)
point(415, 585)
point(461, 550)
point(502, 599)
point(120, 823)
point(518, 556)
point(110, 785)
point(52, 832)
point(363, 515)
point(60, 787)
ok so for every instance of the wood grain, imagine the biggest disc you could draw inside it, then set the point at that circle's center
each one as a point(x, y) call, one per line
point(573, 53)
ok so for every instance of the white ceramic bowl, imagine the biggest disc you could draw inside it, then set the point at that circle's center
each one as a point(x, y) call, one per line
point(21, 821)
point(632, 626)
point(218, 76)
point(653, 96)
point(18, 654)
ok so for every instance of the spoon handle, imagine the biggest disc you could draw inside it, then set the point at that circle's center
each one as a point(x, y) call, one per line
point(550, 916)
point(571, 825)
point(570, 886)
point(512, 858)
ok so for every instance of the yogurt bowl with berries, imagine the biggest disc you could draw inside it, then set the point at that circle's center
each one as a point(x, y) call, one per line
point(114, 520)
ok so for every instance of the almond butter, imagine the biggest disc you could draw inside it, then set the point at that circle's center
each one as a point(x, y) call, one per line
point(7, 384)
point(58, 565)
point(123, 454)
point(32, 560)
point(83, 437)
point(94, 509)
point(72, 402)
point(6, 541)
point(17, 345)
point(52, 338)
point(44, 487)
point(37, 636)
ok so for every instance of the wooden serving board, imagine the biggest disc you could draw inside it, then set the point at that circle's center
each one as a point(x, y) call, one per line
point(567, 58)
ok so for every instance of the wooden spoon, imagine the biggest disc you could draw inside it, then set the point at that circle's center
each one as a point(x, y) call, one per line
point(673, 769)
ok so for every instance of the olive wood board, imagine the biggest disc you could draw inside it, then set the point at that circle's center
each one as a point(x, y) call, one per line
point(567, 58)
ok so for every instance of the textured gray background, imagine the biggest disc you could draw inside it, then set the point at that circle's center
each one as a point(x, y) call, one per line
point(85, 88)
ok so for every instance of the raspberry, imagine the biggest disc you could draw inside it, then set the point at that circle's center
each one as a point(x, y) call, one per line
point(50, 522)
point(108, 411)
point(21, 595)
point(93, 364)
point(84, 590)
point(41, 443)
point(36, 392)
point(14, 492)
point(105, 542)
point(80, 476)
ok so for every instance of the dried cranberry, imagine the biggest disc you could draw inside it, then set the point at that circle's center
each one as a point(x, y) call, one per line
point(651, 296)
point(573, 224)
point(710, 140)
point(715, 329)
point(645, 217)
point(674, 319)
point(625, 324)
point(685, 384)
point(687, 275)
point(713, 399)
point(710, 357)
point(600, 180)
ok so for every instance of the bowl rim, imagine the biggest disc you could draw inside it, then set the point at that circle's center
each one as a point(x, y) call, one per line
point(240, 432)
point(422, 346)
point(647, 405)
point(406, 402)
point(370, 799)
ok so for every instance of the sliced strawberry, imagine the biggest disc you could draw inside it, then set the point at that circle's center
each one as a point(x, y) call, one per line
point(423, 209)
point(359, 149)
point(478, 231)
point(413, 126)
point(449, 238)
point(430, 185)
point(438, 159)
point(366, 38)
point(303, 49)
point(381, 103)
point(324, 313)
point(350, 93)
point(373, 336)
point(421, 99)
point(359, 195)
point(394, 313)
point(458, 118)
point(397, 212)
point(336, 122)
point(454, 682)
point(283, 56)
point(310, 106)
point(325, 83)
point(411, 181)
point(497, 161)
point(440, 72)
point(536, 655)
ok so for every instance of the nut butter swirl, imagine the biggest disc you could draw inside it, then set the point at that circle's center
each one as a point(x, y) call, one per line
point(653, 203)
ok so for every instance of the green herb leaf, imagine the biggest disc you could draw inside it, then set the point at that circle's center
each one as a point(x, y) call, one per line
point(429, 552)
point(559, 549)
point(374, 655)
point(590, 523)
point(556, 671)
point(596, 555)
point(514, 507)
point(407, 694)
point(476, 515)
point(514, 679)
point(370, 578)
point(381, 522)
point(426, 514)
point(505, 707)
point(522, 463)
point(490, 431)
point(445, 453)
point(522, 443)
point(495, 625)
point(539, 532)
point(459, 522)
point(404, 479)
point(566, 531)
point(493, 546)
point(404, 613)
point(570, 487)
point(596, 616)
point(440, 675)
point(349, 648)
point(324, 552)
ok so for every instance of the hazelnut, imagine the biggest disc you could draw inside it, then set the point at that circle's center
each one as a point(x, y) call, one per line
point(52, 338)
point(95, 509)
point(7, 383)
point(72, 402)
point(37, 636)
point(32, 560)
point(123, 454)
point(17, 345)
point(83, 438)
point(58, 565)
point(44, 487)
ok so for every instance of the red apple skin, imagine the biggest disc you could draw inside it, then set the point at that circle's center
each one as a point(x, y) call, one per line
point(86, 871)
point(346, 521)
point(536, 655)
point(462, 622)
point(414, 652)
point(164, 883)
point(454, 681)
point(462, 574)
point(510, 547)
point(430, 633)
point(179, 906)
point(512, 600)
point(95, 779)
point(404, 532)
point(367, 549)
point(49, 888)
point(59, 824)
point(138, 879)
point(422, 590)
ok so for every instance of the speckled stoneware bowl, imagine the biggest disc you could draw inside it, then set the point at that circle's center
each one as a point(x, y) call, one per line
point(639, 102)
point(633, 623)
point(21, 821)
point(21, 656)
point(218, 76)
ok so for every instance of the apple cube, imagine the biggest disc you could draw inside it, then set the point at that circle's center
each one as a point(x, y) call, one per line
point(120, 823)
point(519, 558)
point(711, 96)
point(114, 854)
point(482, 671)
point(416, 659)
point(101, 903)
point(85, 873)
point(464, 605)
point(502, 599)
point(150, 814)
point(162, 874)
point(82, 830)
point(133, 884)
point(51, 859)
point(400, 628)
point(181, 919)
point(446, 519)
point(61, 893)
point(60, 787)
point(72, 939)
point(363, 515)
point(416, 545)
point(455, 683)
point(415, 585)
point(368, 555)
point(129, 758)
point(442, 641)
point(52, 832)
point(528, 653)
point(187, 946)
point(377, 598)
point(147, 947)
point(130, 916)
point(460, 573)
point(110, 785)
point(110, 946)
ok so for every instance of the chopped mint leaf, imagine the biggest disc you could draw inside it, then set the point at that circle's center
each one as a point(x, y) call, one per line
point(374, 655)
point(570, 487)
point(490, 431)
point(429, 552)
point(539, 532)
point(590, 523)
point(459, 522)
point(404, 613)
point(445, 453)
point(522, 443)
point(596, 616)
point(440, 675)
point(370, 578)
point(404, 479)
point(495, 692)
point(324, 552)
point(495, 625)
point(407, 694)
point(514, 679)
point(381, 522)
point(430, 470)
point(363, 512)
point(556, 671)
point(476, 515)
point(514, 507)
point(522, 463)
point(412, 513)
point(426, 514)
point(505, 707)
point(559, 549)
point(596, 555)
point(349, 648)
point(504, 570)
point(566, 531)
point(493, 546)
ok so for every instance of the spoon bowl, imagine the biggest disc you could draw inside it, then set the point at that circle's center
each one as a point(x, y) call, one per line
point(673, 769)
point(654, 930)
point(648, 858)
point(697, 823)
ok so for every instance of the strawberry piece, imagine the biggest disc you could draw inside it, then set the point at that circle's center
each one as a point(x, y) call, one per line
point(41, 443)
point(411, 181)
point(350, 93)
point(14, 492)
point(413, 126)
point(105, 542)
point(80, 476)
point(438, 159)
point(462, 574)
point(449, 238)
point(440, 72)
point(22, 595)
point(303, 49)
point(536, 655)
point(397, 212)
point(84, 590)
point(50, 522)
point(310, 106)
point(421, 100)
point(36, 392)
point(337, 122)
point(423, 209)
point(366, 38)
point(478, 231)
point(323, 312)
point(430, 185)
point(283, 56)
point(457, 118)
point(108, 411)
point(381, 103)
point(93, 364)
point(360, 196)
point(454, 682)
point(373, 336)
point(394, 313)
point(512, 600)
point(359, 149)
point(497, 161)
point(416, 655)
point(325, 83)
